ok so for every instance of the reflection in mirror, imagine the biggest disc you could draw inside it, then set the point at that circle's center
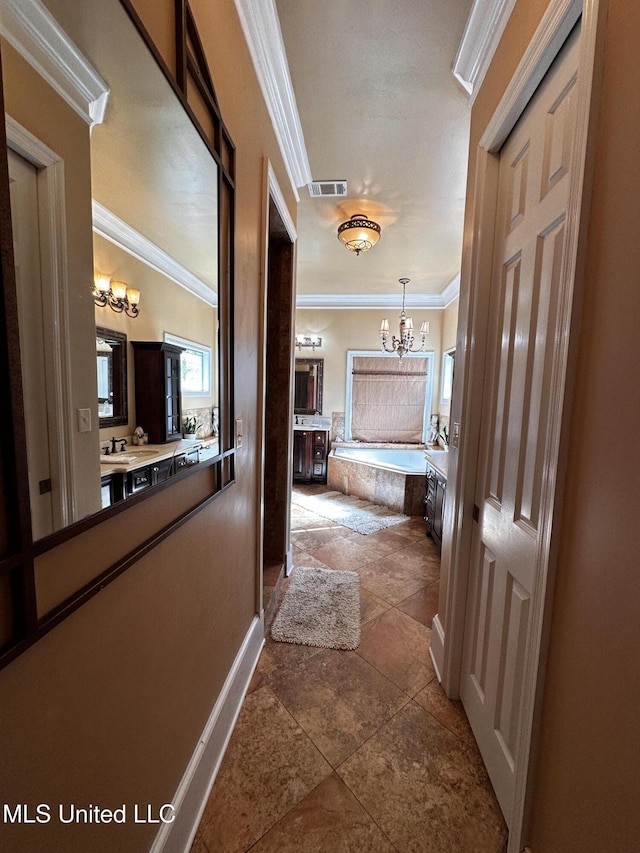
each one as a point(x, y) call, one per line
point(111, 357)
point(448, 362)
point(308, 386)
point(155, 226)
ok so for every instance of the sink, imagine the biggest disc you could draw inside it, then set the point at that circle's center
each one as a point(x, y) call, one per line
point(128, 457)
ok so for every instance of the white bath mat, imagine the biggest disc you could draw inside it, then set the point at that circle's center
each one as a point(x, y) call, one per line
point(320, 608)
point(356, 514)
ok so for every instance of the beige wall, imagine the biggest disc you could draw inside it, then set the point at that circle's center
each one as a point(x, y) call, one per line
point(108, 707)
point(588, 776)
point(586, 783)
point(358, 330)
point(164, 307)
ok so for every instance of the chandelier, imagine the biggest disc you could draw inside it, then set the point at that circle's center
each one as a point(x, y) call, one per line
point(117, 295)
point(359, 234)
point(405, 342)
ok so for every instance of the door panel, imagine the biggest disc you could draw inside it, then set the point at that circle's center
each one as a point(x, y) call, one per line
point(43, 481)
point(507, 551)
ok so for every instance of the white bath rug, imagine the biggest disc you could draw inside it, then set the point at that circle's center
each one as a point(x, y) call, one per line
point(356, 514)
point(321, 608)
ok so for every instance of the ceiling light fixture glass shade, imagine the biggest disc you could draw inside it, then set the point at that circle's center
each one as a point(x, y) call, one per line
point(406, 340)
point(117, 295)
point(359, 234)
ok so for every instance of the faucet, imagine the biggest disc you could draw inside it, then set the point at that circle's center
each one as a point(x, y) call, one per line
point(121, 441)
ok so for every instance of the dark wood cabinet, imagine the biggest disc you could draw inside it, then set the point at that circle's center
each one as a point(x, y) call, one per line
point(435, 494)
point(120, 486)
point(157, 390)
point(310, 448)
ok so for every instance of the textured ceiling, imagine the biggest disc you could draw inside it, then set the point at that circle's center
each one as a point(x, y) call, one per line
point(379, 106)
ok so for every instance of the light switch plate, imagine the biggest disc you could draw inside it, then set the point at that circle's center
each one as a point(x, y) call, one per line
point(238, 433)
point(84, 420)
point(455, 435)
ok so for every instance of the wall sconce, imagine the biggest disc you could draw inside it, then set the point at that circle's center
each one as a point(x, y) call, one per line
point(117, 295)
point(312, 341)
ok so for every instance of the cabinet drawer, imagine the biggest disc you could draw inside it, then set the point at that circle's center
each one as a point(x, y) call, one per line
point(319, 438)
point(186, 460)
point(139, 480)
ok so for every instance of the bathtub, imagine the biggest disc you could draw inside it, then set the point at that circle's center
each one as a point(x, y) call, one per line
point(393, 476)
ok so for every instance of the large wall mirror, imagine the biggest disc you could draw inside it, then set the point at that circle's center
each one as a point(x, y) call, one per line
point(111, 364)
point(308, 386)
point(154, 224)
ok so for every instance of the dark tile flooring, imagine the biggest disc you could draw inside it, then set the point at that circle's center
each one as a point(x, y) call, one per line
point(349, 751)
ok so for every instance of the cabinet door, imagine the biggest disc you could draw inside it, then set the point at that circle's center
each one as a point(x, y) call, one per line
point(172, 390)
point(161, 471)
point(439, 507)
point(430, 500)
point(301, 455)
point(319, 460)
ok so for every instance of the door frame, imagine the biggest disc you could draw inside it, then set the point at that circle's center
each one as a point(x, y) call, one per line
point(271, 192)
point(448, 628)
point(50, 176)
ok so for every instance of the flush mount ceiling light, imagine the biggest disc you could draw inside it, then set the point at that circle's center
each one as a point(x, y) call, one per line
point(405, 342)
point(359, 234)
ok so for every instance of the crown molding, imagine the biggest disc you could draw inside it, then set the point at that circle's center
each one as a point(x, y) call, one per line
point(451, 291)
point(379, 301)
point(31, 29)
point(278, 200)
point(261, 27)
point(559, 19)
point(485, 25)
point(114, 229)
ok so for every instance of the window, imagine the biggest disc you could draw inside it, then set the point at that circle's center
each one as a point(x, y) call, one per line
point(448, 358)
point(195, 366)
point(388, 398)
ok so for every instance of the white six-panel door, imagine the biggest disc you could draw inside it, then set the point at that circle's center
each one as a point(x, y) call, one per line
point(533, 195)
point(26, 242)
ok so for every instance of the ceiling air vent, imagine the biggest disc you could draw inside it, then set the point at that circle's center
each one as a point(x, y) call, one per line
point(322, 189)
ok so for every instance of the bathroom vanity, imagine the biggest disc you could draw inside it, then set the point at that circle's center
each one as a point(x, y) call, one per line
point(125, 474)
point(435, 493)
point(310, 451)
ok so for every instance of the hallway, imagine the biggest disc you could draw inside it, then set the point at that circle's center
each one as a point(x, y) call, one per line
point(355, 751)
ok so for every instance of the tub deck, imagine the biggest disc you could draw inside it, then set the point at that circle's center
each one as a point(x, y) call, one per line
point(382, 480)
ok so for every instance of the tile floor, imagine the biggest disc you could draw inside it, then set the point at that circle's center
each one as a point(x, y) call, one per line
point(350, 752)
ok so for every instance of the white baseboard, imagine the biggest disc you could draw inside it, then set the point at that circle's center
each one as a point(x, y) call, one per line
point(288, 564)
point(195, 786)
point(437, 647)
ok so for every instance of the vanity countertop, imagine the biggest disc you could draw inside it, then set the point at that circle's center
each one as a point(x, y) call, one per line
point(147, 454)
point(438, 459)
point(311, 425)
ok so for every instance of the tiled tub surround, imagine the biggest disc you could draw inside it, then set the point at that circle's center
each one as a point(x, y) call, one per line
point(206, 418)
point(394, 477)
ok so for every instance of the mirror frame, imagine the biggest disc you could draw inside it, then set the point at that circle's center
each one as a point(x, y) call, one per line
point(119, 378)
point(319, 362)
